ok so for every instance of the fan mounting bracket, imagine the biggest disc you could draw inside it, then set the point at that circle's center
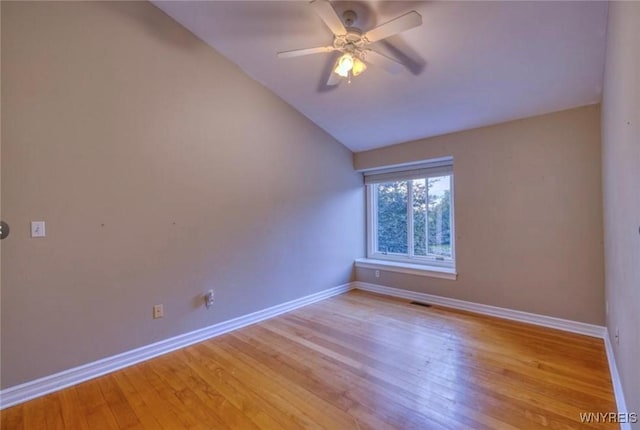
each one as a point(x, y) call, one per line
point(349, 17)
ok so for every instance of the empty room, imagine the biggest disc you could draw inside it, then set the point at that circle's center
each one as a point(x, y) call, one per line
point(320, 215)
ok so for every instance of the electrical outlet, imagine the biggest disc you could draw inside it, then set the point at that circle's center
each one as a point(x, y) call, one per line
point(377, 273)
point(208, 299)
point(617, 336)
point(158, 311)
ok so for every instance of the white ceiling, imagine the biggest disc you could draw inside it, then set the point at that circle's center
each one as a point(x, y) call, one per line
point(472, 63)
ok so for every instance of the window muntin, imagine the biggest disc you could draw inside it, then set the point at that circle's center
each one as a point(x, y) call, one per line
point(411, 219)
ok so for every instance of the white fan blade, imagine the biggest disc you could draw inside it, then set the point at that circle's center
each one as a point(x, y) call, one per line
point(334, 79)
point(389, 64)
point(398, 25)
point(324, 9)
point(307, 51)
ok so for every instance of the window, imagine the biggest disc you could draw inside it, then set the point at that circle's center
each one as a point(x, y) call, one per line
point(410, 215)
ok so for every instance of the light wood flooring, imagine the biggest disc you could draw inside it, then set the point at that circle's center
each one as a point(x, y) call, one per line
point(355, 361)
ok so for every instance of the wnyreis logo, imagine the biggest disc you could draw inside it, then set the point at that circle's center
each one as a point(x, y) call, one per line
point(608, 417)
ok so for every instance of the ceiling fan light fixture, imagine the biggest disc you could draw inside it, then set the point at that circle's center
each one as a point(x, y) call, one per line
point(358, 67)
point(344, 65)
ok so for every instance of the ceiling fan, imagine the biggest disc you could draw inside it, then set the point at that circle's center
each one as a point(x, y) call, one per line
point(353, 43)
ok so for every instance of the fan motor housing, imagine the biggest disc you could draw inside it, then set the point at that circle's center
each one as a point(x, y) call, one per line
point(351, 41)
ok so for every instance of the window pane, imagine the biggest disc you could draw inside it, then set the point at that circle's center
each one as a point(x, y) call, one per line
point(419, 217)
point(439, 216)
point(392, 217)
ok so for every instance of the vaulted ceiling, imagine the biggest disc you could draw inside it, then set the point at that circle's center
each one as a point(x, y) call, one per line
point(470, 64)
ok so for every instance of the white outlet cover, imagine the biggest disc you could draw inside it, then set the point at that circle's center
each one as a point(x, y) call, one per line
point(208, 299)
point(158, 311)
point(37, 229)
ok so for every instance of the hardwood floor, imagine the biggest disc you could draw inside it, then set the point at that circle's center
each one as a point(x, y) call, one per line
point(355, 361)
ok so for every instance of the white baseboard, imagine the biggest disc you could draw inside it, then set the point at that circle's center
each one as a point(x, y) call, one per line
point(39, 387)
point(615, 380)
point(510, 314)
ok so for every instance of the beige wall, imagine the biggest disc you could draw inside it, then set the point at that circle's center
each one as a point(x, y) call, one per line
point(528, 214)
point(161, 171)
point(621, 186)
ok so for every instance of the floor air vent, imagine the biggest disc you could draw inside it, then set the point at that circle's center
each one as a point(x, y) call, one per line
point(426, 305)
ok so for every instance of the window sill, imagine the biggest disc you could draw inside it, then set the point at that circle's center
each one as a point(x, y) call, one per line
point(408, 268)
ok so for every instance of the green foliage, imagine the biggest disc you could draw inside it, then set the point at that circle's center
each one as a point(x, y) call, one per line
point(392, 217)
point(431, 211)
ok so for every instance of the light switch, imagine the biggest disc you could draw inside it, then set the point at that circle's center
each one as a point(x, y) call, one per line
point(37, 229)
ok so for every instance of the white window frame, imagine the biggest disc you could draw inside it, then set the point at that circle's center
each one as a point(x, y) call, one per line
point(410, 263)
